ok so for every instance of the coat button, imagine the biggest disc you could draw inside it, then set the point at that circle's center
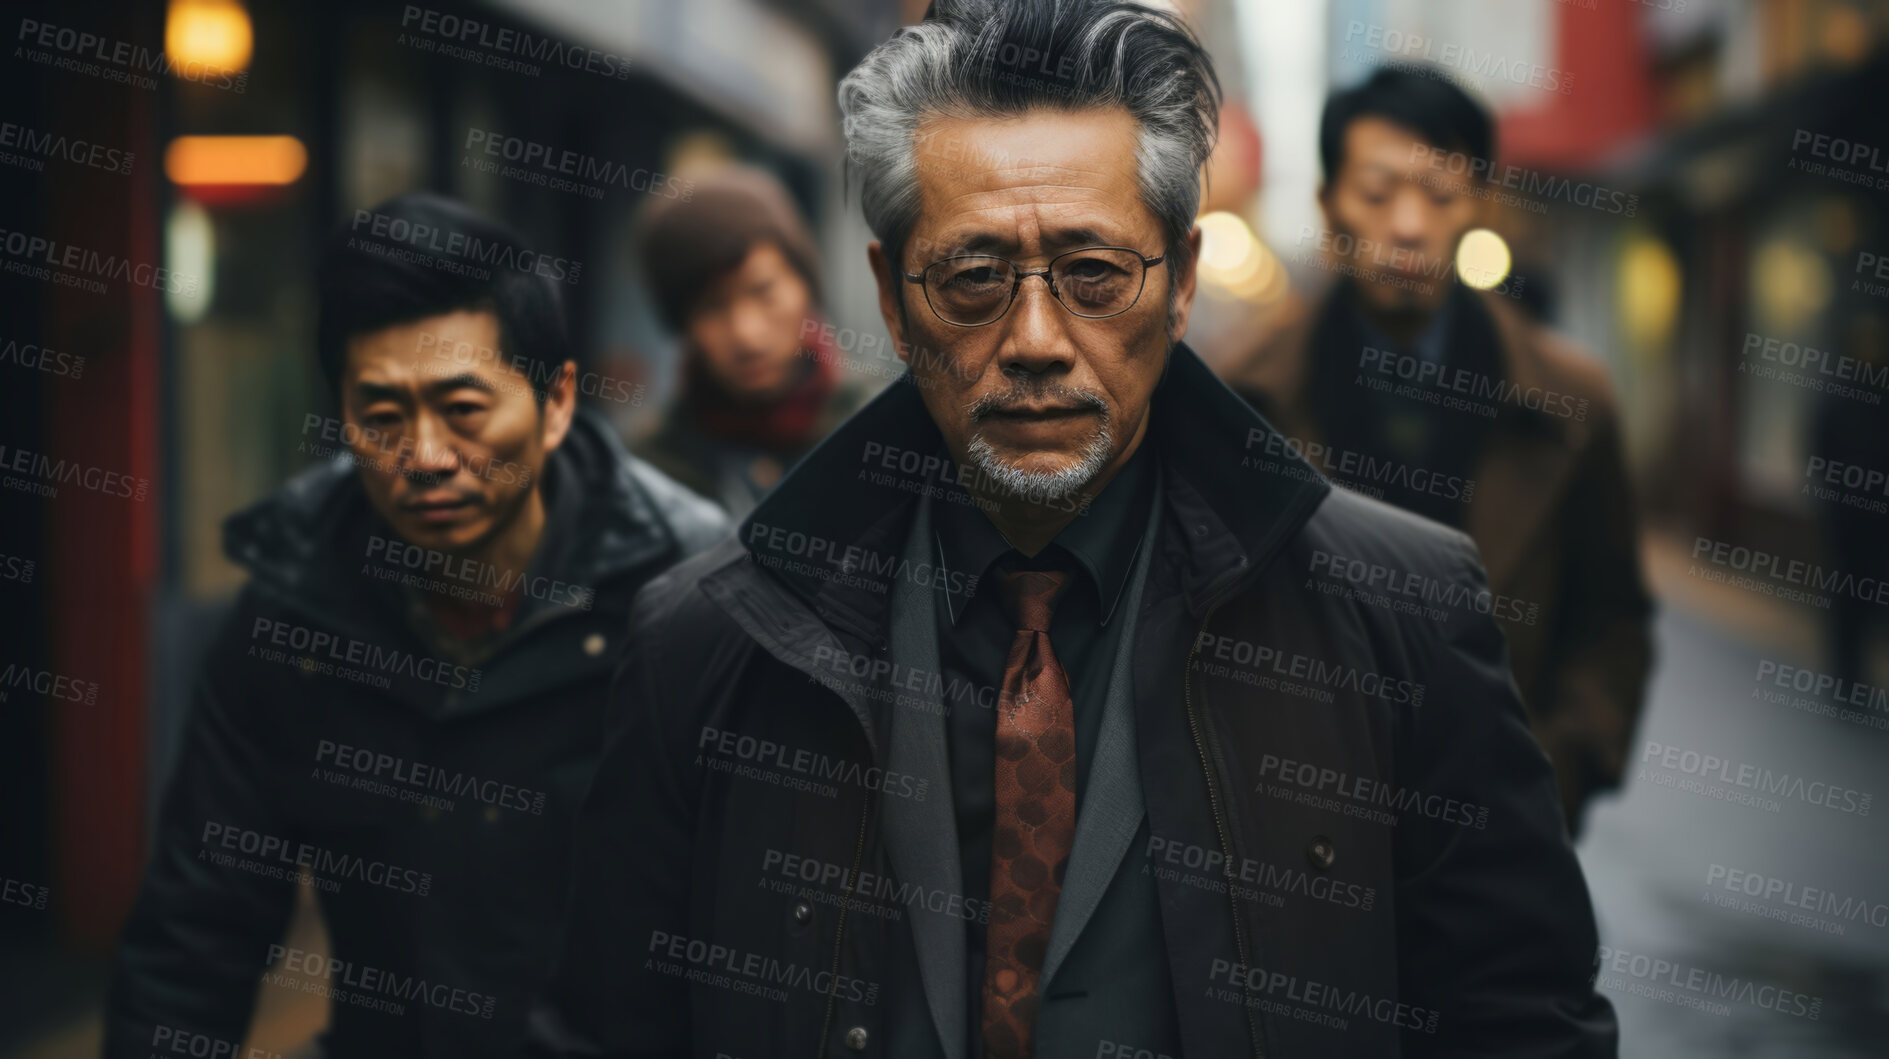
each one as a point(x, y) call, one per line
point(856, 1038)
point(803, 912)
point(1321, 852)
point(594, 644)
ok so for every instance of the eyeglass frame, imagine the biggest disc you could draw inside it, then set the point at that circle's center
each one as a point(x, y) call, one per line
point(1016, 286)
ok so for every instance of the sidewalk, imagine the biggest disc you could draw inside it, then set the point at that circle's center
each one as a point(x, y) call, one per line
point(1743, 906)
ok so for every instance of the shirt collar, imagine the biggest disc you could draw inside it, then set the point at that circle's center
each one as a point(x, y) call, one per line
point(1103, 539)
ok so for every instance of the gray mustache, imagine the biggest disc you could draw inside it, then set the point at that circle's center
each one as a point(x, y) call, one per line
point(1018, 395)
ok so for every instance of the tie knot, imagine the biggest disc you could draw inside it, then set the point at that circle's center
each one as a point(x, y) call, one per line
point(1030, 596)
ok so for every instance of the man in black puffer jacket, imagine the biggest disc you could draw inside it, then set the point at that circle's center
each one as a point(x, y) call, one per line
point(405, 706)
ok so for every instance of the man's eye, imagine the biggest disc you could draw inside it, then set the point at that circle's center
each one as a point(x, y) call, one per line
point(380, 420)
point(1091, 270)
point(974, 278)
point(464, 408)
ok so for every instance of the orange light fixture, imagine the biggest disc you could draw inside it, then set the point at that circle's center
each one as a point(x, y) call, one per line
point(227, 160)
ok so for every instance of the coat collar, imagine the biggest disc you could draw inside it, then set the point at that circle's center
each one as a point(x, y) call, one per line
point(830, 531)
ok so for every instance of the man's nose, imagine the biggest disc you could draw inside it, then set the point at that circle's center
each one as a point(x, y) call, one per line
point(1410, 218)
point(1038, 339)
point(433, 454)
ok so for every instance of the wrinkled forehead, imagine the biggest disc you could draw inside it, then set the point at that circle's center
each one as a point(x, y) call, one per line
point(1029, 183)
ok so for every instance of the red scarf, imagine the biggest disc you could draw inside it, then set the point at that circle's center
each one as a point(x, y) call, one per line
point(786, 424)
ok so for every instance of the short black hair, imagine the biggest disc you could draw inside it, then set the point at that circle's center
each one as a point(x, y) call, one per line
point(1425, 101)
point(421, 254)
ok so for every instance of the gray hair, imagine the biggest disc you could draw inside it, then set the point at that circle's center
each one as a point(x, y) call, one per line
point(997, 58)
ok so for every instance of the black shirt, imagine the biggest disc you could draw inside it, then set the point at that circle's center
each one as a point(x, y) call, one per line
point(974, 637)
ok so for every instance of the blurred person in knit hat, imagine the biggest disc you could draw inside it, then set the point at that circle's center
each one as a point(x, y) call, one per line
point(735, 273)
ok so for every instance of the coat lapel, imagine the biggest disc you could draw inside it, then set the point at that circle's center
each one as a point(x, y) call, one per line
point(1111, 808)
point(921, 837)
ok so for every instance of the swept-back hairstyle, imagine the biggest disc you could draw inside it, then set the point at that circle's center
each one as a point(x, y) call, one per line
point(1000, 58)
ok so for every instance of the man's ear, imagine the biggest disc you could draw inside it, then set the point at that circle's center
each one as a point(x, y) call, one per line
point(891, 289)
point(560, 405)
point(1184, 273)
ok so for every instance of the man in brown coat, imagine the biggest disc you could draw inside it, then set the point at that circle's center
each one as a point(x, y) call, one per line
point(1407, 385)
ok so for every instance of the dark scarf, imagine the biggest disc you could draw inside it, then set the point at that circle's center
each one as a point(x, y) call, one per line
point(1389, 426)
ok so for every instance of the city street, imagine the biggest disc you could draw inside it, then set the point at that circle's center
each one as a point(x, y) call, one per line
point(1650, 853)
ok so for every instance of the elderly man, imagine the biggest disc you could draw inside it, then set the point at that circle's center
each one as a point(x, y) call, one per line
point(1052, 706)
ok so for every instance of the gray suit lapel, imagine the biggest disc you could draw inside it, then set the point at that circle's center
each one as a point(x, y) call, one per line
point(1111, 808)
point(922, 836)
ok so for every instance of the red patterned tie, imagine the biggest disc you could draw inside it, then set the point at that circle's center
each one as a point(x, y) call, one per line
point(1036, 814)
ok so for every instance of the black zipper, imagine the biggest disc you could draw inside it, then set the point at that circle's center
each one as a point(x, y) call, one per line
point(1219, 823)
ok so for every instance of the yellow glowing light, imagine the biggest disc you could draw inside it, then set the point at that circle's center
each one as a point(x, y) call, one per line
point(235, 160)
point(1790, 282)
point(1226, 243)
point(1233, 259)
point(1482, 259)
point(1648, 288)
point(212, 32)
